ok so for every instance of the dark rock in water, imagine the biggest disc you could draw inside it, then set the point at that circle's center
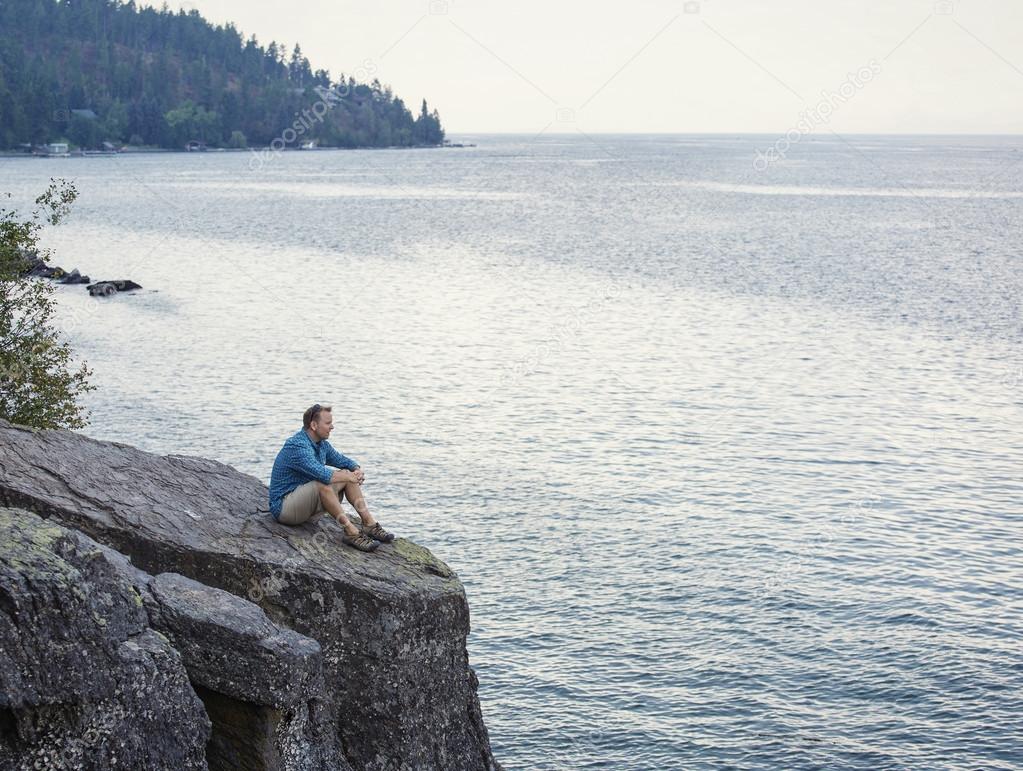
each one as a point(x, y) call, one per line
point(102, 289)
point(42, 270)
point(84, 682)
point(74, 277)
point(34, 266)
point(107, 288)
point(123, 285)
point(398, 692)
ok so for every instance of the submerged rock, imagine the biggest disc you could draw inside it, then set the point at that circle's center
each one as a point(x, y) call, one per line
point(107, 288)
point(74, 277)
point(397, 689)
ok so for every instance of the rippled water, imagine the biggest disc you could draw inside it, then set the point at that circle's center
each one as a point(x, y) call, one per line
point(728, 460)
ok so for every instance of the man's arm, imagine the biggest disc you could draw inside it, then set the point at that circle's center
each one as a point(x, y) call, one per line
point(334, 458)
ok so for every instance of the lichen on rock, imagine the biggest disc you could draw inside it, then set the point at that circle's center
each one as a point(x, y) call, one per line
point(84, 682)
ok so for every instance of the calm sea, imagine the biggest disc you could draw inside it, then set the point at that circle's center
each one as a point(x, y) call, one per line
point(729, 458)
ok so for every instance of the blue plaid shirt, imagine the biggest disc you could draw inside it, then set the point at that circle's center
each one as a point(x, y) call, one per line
point(302, 460)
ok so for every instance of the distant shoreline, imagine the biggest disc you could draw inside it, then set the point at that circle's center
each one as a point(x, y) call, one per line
point(164, 150)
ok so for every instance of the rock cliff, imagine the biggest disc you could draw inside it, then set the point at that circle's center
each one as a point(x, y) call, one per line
point(158, 588)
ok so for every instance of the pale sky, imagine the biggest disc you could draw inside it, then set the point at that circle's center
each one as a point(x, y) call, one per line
point(672, 66)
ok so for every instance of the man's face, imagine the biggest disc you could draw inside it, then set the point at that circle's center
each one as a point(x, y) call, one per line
point(322, 425)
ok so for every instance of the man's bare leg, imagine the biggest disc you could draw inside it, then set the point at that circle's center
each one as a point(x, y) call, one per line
point(332, 503)
point(353, 492)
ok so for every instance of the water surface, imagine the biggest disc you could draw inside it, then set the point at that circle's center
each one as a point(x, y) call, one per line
point(728, 460)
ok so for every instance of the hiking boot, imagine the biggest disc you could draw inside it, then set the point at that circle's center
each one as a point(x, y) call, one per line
point(361, 541)
point(377, 533)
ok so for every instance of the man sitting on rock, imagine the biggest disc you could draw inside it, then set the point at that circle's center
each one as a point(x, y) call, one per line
point(303, 486)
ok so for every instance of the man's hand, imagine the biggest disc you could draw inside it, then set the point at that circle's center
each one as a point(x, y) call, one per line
point(346, 476)
point(359, 476)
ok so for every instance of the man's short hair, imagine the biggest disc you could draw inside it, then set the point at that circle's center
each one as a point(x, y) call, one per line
point(313, 413)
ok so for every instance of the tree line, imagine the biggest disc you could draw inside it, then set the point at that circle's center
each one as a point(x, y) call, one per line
point(95, 71)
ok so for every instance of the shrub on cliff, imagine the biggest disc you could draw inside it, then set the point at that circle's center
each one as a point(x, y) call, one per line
point(38, 384)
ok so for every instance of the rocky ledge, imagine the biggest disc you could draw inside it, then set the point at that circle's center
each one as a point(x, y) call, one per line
point(154, 615)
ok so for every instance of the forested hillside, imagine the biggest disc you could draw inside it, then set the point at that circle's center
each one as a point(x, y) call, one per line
point(94, 71)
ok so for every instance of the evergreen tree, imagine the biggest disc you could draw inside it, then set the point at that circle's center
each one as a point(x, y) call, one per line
point(427, 129)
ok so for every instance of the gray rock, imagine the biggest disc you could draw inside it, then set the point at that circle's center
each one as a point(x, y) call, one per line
point(74, 277)
point(111, 286)
point(230, 646)
point(392, 625)
point(262, 685)
point(102, 289)
point(42, 270)
point(84, 683)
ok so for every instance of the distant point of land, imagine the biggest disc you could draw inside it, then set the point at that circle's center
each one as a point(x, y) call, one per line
point(102, 75)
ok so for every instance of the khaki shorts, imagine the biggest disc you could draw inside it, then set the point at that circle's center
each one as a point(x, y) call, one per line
point(304, 502)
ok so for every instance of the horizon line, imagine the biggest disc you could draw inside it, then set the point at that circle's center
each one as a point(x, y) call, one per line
point(450, 133)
